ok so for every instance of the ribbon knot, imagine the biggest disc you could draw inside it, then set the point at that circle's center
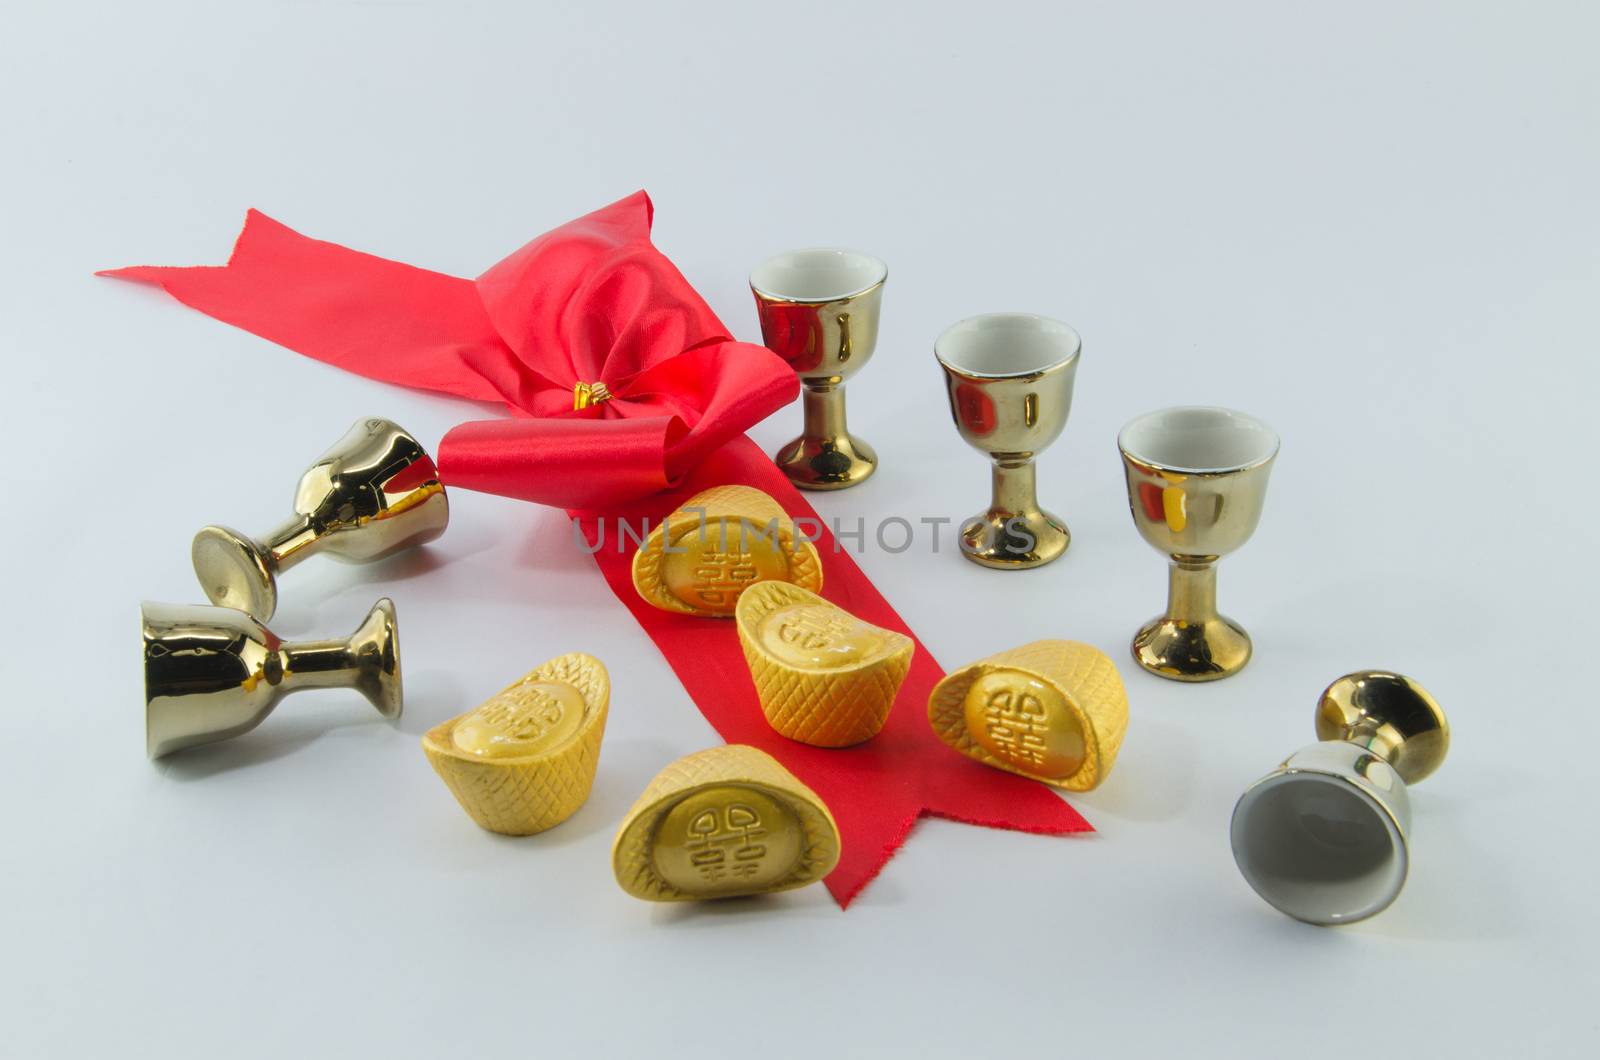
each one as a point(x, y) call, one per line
point(586, 394)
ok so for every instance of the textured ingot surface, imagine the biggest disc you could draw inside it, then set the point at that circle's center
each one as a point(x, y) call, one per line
point(1026, 722)
point(734, 799)
point(524, 761)
point(1078, 698)
point(820, 637)
point(726, 839)
point(823, 676)
point(528, 717)
point(719, 543)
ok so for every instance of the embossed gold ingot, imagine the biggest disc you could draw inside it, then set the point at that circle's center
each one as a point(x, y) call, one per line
point(819, 311)
point(823, 676)
point(1010, 380)
point(1197, 478)
point(722, 823)
point(211, 673)
point(1053, 710)
point(719, 543)
point(1323, 838)
point(524, 761)
point(373, 494)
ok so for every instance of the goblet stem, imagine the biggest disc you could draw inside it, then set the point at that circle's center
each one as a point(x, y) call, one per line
point(291, 542)
point(1015, 487)
point(824, 412)
point(318, 664)
point(1192, 590)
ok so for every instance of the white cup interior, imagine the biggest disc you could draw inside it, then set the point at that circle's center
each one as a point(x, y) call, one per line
point(998, 345)
point(1198, 439)
point(822, 274)
point(1318, 849)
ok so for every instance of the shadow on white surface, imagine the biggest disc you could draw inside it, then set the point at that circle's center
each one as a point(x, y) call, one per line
point(1152, 780)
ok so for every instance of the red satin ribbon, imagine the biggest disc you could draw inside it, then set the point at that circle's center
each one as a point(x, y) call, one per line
point(595, 301)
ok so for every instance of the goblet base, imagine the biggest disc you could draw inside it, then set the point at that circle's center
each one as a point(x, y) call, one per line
point(1192, 651)
point(1001, 539)
point(234, 572)
point(827, 463)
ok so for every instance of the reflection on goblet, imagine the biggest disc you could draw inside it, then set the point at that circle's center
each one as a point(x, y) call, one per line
point(1323, 838)
point(1010, 378)
point(1196, 481)
point(374, 493)
point(211, 673)
point(819, 312)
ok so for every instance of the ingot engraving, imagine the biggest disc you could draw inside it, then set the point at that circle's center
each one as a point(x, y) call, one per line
point(524, 720)
point(1024, 722)
point(718, 560)
point(725, 822)
point(820, 638)
point(726, 840)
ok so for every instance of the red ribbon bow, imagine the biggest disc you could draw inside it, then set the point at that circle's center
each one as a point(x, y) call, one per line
point(592, 314)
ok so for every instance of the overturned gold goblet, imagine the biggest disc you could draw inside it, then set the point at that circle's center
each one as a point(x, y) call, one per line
point(1010, 378)
point(212, 673)
point(1197, 478)
point(819, 312)
point(1323, 838)
point(374, 493)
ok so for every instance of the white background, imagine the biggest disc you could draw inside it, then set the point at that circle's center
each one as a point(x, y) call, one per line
point(1373, 225)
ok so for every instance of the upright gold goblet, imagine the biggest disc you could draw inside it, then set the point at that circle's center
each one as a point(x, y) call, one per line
point(819, 312)
point(1196, 481)
point(1010, 379)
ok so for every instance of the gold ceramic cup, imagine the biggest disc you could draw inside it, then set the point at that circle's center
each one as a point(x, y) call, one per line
point(823, 676)
point(1053, 710)
point(374, 493)
point(212, 673)
point(724, 823)
point(819, 312)
point(1010, 379)
point(1324, 837)
point(720, 542)
point(524, 761)
point(1197, 478)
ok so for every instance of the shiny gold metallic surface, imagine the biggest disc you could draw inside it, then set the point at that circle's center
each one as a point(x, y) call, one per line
point(823, 676)
point(722, 823)
point(719, 543)
point(211, 673)
point(819, 311)
point(1389, 714)
point(1197, 479)
point(1053, 710)
point(374, 493)
point(525, 760)
point(1010, 381)
point(1325, 838)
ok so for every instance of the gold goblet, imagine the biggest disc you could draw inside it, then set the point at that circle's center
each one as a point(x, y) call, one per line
point(1324, 837)
point(211, 673)
point(374, 493)
point(1196, 481)
point(1010, 379)
point(819, 312)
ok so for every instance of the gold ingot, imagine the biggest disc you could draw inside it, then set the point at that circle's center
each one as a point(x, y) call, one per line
point(524, 760)
point(823, 676)
point(719, 543)
point(722, 823)
point(375, 493)
point(1053, 710)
